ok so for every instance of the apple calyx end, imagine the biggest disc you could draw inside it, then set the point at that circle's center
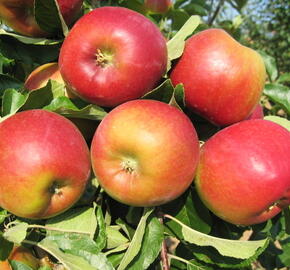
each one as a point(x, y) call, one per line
point(129, 165)
point(55, 188)
point(104, 58)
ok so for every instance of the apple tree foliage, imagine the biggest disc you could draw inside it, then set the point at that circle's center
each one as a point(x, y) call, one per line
point(100, 233)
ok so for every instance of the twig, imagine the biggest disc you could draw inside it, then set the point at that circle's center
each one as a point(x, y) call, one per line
point(219, 6)
point(163, 254)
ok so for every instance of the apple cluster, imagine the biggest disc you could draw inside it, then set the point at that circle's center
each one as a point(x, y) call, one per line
point(146, 152)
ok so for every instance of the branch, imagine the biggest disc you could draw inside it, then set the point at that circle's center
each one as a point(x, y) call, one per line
point(163, 254)
point(219, 6)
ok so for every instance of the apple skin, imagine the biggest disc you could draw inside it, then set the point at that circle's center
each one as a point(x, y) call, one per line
point(23, 255)
point(223, 80)
point(18, 14)
point(243, 174)
point(40, 76)
point(258, 113)
point(145, 153)
point(158, 6)
point(121, 56)
point(44, 164)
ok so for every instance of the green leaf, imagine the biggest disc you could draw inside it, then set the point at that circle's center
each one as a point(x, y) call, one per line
point(194, 267)
point(70, 261)
point(279, 120)
point(151, 245)
point(114, 237)
point(284, 78)
point(73, 242)
point(117, 249)
point(136, 242)
point(5, 247)
point(271, 66)
point(5, 62)
point(239, 4)
point(17, 233)
point(177, 98)
point(82, 220)
point(28, 54)
point(195, 9)
point(101, 239)
point(190, 210)
point(210, 256)
point(163, 92)
point(175, 45)
point(7, 82)
point(16, 265)
point(232, 248)
point(30, 40)
point(126, 228)
point(48, 16)
point(178, 17)
point(82, 246)
point(66, 107)
point(280, 94)
point(44, 96)
point(12, 101)
point(286, 212)
point(285, 256)
point(116, 258)
point(3, 215)
point(99, 261)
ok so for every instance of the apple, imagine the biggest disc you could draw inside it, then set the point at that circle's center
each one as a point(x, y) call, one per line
point(44, 164)
point(243, 174)
point(112, 55)
point(23, 255)
point(40, 76)
point(19, 15)
point(145, 153)
point(223, 80)
point(157, 6)
point(258, 113)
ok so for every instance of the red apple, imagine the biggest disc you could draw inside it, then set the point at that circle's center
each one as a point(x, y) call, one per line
point(112, 55)
point(243, 174)
point(258, 113)
point(222, 79)
point(23, 255)
point(44, 164)
point(158, 6)
point(19, 15)
point(145, 153)
point(40, 76)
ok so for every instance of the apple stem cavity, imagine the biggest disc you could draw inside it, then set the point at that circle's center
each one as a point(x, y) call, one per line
point(104, 59)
